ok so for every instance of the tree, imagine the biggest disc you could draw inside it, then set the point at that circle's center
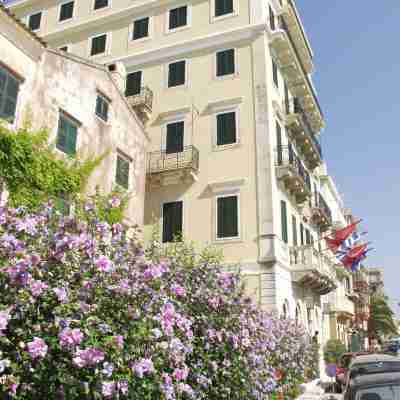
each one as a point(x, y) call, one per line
point(381, 321)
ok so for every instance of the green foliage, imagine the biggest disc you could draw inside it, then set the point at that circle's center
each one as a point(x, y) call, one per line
point(32, 171)
point(381, 321)
point(333, 350)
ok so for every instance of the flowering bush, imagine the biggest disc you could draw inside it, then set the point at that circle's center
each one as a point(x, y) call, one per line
point(84, 313)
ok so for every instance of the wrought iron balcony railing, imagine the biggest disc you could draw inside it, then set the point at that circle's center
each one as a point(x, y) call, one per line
point(161, 161)
point(322, 214)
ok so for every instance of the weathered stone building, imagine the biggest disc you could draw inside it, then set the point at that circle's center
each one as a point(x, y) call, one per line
point(82, 105)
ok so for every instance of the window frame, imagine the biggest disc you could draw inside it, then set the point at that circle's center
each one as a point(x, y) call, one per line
point(235, 193)
point(107, 46)
point(106, 100)
point(70, 118)
point(179, 200)
point(188, 18)
point(141, 81)
point(149, 29)
point(102, 8)
point(226, 110)
point(284, 226)
point(275, 73)
point(185, 84)
point(125, 157)
point(20, 80)
point(28, 17)
point(235, 62)
point(60, 8)
point(169, 121)
point(214, 18)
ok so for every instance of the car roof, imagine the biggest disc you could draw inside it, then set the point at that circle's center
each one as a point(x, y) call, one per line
point(371, 379)
point(373, 358)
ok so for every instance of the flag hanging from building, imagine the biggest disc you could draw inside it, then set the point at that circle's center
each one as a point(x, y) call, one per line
point(354, 255)
point(335, 242)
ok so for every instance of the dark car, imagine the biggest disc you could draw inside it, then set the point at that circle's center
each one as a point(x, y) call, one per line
point(381, 386)
point(342, 369)
point(393, 346)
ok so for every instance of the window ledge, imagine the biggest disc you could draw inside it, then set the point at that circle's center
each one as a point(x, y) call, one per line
point(179, 29)
point(226, 77)
point(228, 241)
point(215, 19)
point(224, 147)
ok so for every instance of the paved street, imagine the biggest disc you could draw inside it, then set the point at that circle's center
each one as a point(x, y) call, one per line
point(313, 391)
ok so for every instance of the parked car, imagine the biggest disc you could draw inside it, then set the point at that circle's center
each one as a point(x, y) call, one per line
point(342, 369)
point(371, 364)
point(392, 346)
point(380, 386)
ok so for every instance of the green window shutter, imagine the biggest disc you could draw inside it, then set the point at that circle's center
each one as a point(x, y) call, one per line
point(226, 128)
point(175, 137)
point(226, 62)
point(66, 136)
point(284, 222)
point(122, 176)
point(172, 221)
point(133, 83)
point(176, 73)
point(141, 28)
point(223, 7)
point(308, 237)
point(279, 147)
point(34, 21)
point(275, 73)
point(9, 88)
point(98, 45)
point(100, 4)
point(227, 217)
point(71, 139)
point(102, 108)
point(178, 17)
point(294, 229)
point(67, 11)
point(302, 234)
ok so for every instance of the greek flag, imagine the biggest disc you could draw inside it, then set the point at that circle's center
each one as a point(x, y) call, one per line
point(348, 244)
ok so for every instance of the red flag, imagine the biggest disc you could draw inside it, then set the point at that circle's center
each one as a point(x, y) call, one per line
point(333, 244)
point(354, 254)
point(343, 234)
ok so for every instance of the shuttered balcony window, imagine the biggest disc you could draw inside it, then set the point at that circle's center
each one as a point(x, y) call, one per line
point(99, 45)
point(98, 4)
point(227, 217)
point(178, 17)
point(122, 171)
point(294, 230)
point(177, 73)
point(34, 21)
point(175, 137)
point(275, 73)
point(223, 7)
point(284, 222)
point(66, 11)
point(67, 135)
point(226, 128)
point(102, 106)
point(172, 221)
point(302, 234)
point(279, 143)
point(9, 88)
point(226, 62)
point(141, 28)
point(133, 83)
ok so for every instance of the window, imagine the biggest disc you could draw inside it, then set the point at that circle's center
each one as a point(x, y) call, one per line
point(98, 4)
point(122, 172)
point(228, 217)
point(66, 11)
point(141, 28)
point(133, 83)
point(223, 7)
point(172, 221)
point(284, 222)
point(34, 21)
point(178, 17)
point(308, 237)
point(275, 73)
point(63, 48)
point(66, 135)
point(99, 45)
point(226, 62)
point(102, 106)
point(175, 137)
point(226, 128)
point(272, 24)
point(9, 88)
point(279, 147)
point(294, 229)
point(176, 73)
point(302, 234)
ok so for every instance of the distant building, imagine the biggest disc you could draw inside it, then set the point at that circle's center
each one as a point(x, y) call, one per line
point(80, 102)
point(375, 280)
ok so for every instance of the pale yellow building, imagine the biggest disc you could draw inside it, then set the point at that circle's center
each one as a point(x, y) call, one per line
point(234, 119)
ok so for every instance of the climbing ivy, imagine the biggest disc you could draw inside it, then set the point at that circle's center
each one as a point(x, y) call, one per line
point(32, 171)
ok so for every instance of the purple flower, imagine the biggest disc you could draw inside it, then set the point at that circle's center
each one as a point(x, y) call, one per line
point(123, 387)
point(4, 317)
point(88, 357)
point(108, 369)
point(37, 287)
point(61, 294)
point(178, 290)
point(115, 202)
point(143, 367)
point(104, 264)
point(119, 341)
point(37, 348)
point(181, 374)
point(108, 389)
point(70, 337)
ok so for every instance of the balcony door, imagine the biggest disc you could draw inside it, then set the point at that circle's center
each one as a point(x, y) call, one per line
point(175, 137)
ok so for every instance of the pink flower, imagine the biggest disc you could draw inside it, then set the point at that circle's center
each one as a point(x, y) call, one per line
point(37, 348)
point(61, 294)
point(181, 374)
point(108, 389)
point(104, 264)
point(88, 357)
point(119, 341)
point(37, 287)
point(70, 337)
point(143, 367)
point(4, 317)
point(115, 202)
point(178, 290)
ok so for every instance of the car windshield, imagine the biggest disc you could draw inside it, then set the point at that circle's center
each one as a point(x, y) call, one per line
point(373, 368)
point(382, 392)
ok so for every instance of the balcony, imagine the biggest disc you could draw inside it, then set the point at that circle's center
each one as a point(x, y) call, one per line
point(360, 283)
point(311, 270)
point(290, 170)
point(321, 213)
point(142, 103)
point(173, 168)
point(296, 75)
point(300, 130)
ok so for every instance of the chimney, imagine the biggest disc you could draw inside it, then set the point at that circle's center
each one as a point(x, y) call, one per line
point(118, 73)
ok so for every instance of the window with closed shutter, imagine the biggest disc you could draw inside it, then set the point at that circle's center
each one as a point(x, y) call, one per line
point(122, 173)
point(9, 88)
point(178, 17)
point(176, 73)
point(302, 234)
point(275, 73)
point(223, 7)
point(294, 230)
point(272, 23)
point(226, 62)
point(102, 107)
point(98, 45)
point(226, 128)
point(133, 83)
point(279, 148)
point(66, 135)
point(141, 28)
point(98, 4)
point(34, 21)
point(66, 11)
point(227, 217)
point(172, 221)
point(308, 237)
point(175, 137)
point(284, 223)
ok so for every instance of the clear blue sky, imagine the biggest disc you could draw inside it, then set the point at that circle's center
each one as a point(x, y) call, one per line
point(357, 57)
